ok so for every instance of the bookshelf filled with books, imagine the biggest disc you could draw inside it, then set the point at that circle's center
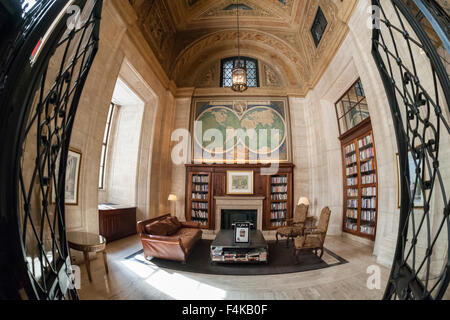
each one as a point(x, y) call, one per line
point(280, 200)
point(200, 199)
point(360, 183)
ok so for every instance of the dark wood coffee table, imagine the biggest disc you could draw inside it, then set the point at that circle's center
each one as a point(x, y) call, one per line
point(225, 250)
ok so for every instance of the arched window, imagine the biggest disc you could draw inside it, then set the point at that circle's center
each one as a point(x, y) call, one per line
point(228, 64)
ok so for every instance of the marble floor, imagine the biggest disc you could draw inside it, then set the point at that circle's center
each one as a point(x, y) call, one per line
point(129, 279)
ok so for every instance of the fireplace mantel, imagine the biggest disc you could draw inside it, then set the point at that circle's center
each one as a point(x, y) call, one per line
point(240, 198)
point(239, 203)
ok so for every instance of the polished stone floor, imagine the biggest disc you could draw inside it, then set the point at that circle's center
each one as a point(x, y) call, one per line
point(129, 279)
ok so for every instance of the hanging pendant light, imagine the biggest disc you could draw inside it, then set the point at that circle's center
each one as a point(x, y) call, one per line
point(239, 73)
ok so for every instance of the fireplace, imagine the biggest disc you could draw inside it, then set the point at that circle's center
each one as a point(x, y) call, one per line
point(253, 204)
point(228, 217)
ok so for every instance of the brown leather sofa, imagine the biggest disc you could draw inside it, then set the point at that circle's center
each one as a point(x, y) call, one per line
point(167, 238)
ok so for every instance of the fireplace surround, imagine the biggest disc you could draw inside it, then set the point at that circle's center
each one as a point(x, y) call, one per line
point(233, 203)
point(228, 217)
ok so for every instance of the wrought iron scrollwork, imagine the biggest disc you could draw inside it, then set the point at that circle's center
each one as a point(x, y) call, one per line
point(42, 76)
point(417, 87)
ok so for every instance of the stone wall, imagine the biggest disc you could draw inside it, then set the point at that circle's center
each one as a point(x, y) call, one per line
point(120, 54)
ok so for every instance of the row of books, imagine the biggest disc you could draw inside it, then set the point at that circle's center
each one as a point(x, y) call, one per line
point(279, 206)
point(366, 154)
point(278, 224)
point(352, 203)
point(199, 196)
point(369, 192)
point(200, 179)
point(350, 160)
point(279, 196)
point(201, 221)
point(201, 187)
point(279, 180)
point(368, 166)
point(351, 226)
point(199, 214)
point(352, 181)
point(200, 205)
point(280, 189)
point(256, 255)
point(368, 215)
point(350, 148)
point(368, 229)
point(352, 170)
point(365, 141)
point(353, 214)
point(369, 179)
point(369, 203)
point(352, 192)
point(276, 215)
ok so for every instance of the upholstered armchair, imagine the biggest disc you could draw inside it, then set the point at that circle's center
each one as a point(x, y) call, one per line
point(314, 238)
point(296, 225)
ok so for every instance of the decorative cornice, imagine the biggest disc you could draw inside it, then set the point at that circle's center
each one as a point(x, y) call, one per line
point(246, 36)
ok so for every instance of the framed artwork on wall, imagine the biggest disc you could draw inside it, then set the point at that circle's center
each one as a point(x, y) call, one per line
point(72, 177)
point(419, 201)
point(239, 182)
point(240, 130)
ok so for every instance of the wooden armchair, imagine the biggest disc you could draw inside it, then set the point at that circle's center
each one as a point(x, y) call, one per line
point(314, 238)
point(296, 225)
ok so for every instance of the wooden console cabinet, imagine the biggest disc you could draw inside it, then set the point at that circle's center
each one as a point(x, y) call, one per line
point(116, 222)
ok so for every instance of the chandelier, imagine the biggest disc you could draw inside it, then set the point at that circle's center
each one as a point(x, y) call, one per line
point(239, 73)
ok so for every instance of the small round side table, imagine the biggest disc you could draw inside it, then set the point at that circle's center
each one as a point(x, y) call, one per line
point(88, 242)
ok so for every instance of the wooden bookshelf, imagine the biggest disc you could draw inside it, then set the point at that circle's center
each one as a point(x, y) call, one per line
point(262, 185)
point(360, 182)
point(280, 200)
point(199, 203)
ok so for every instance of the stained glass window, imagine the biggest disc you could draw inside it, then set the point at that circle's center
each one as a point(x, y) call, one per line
point(229, 64)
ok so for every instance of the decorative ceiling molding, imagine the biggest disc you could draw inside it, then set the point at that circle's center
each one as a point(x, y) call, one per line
point(194, 52)
point(247, 8)
point(185, 34)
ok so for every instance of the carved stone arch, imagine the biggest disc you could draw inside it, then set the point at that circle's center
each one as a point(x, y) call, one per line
point(253, 42)
point(208, 75)
point(209, 62)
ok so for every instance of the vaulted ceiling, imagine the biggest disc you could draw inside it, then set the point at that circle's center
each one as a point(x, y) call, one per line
point(190, 36)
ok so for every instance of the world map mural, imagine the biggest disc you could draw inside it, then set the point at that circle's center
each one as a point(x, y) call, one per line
point(241, 131)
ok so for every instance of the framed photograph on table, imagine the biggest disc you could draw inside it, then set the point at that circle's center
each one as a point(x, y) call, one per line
point(239, 182)
point(72, 177)
point(242, 232)
point(419, 201)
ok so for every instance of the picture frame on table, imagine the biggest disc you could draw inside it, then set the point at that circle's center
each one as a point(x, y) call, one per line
point(242, 232)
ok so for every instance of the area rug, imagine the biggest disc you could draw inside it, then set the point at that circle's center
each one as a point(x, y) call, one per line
point(281, 261)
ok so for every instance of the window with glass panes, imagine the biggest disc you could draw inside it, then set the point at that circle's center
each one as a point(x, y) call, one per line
point(101, 181)
point(229, 64)
point(352, 108)
point(319, 26)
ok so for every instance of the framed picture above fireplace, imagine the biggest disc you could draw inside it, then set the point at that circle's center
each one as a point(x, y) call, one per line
point(239, 182)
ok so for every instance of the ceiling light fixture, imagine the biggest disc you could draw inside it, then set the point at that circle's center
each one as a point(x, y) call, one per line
point(239, 73)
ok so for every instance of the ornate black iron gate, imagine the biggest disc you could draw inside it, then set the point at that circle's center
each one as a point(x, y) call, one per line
point(47, 49)
point(417, 86)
